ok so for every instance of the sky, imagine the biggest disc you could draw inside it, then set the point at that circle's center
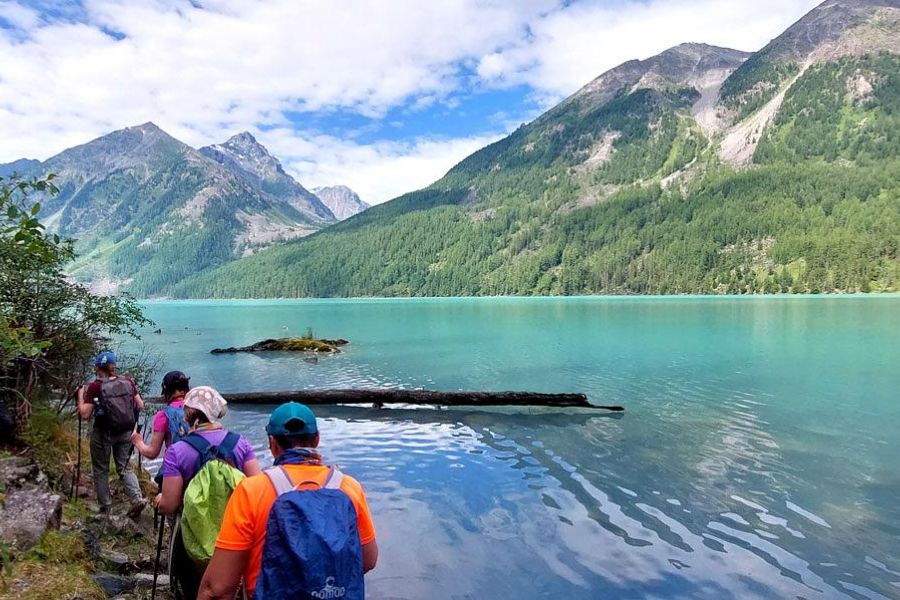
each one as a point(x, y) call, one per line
point(381, 95)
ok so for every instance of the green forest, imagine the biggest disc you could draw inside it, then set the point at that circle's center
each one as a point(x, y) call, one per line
point(821, 228)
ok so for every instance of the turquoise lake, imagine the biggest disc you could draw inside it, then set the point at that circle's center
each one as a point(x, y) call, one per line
point(759, 456)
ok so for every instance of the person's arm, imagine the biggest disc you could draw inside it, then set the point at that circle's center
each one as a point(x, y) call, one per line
point(152, 449)
point(223, 575)
point(85, 409)
point(138, 400)
point(363, 522)
point(370, 556)
point(170, 499)
point(251, 467)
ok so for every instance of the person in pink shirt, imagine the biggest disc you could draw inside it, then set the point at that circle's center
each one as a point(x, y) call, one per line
point(169, 422)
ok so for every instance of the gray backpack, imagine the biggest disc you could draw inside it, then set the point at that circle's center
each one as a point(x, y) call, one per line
point(117, 401)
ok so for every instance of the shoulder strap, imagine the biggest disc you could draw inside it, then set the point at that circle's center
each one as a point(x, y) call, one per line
point(283, 484)
point(280, 480)
point(225, 450)
point(334, 479)
point(197, 442)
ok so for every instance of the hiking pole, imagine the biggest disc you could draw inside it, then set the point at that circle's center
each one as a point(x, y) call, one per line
point(159, 541)
point(76, 476)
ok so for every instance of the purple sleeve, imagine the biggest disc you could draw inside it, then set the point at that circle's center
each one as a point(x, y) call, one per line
point(243, 452)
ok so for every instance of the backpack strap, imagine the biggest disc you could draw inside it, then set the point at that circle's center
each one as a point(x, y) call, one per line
point(334, 479)
point(197, 442)
point(283, 484)
point(280, 480)
point(225, 450)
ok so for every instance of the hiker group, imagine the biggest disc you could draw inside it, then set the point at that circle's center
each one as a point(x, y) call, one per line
point(299, 529)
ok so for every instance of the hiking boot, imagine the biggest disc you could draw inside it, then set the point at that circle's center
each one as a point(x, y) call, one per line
point(137, 507)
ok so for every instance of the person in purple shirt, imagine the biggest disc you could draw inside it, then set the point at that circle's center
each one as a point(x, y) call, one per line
point(204, 407)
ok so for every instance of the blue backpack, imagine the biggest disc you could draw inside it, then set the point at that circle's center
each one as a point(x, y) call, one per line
point(312, 549)
point(178, 427)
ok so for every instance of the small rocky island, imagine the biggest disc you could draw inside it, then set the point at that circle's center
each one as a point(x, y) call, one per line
point(291, 344)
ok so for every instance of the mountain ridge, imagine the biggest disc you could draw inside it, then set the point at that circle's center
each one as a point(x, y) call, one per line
point(130, 196)
point(625, 187)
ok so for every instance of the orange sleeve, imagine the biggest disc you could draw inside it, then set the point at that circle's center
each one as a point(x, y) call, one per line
point(239, 523)
point(363, 517)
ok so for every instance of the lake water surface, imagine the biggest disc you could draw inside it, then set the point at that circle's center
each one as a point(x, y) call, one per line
point(759, 456)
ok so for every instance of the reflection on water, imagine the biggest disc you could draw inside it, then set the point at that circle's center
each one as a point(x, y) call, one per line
point(757, 458)
point(549, 505)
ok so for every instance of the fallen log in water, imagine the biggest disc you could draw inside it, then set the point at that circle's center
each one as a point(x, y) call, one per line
point(382, 396)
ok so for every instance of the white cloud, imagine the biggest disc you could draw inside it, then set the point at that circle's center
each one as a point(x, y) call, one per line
point(17, 15)
point(378, 172)
point(205, 74)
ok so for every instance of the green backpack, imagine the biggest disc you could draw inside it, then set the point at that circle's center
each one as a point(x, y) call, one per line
point(207, 495)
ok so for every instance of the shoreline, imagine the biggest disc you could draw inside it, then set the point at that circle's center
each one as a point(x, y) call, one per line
point(608, 297)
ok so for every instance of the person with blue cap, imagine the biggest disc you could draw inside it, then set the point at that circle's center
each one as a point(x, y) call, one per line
point(298, 530)
point(114, 402)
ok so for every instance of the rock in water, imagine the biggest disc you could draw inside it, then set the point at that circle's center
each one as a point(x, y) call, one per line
point(26, 515)
point(288, 345)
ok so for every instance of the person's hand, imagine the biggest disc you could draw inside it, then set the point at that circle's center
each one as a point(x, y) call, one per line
point(136, 438)
point(157, 500)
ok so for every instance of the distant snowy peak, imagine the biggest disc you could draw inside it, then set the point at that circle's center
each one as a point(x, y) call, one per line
point(341, 201)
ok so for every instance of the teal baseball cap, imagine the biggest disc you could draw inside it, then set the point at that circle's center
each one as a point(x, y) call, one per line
point(292, 418)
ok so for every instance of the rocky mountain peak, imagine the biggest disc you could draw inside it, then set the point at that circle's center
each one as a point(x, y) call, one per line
point(837, 28)
point(248, 153)
point(122, 149)
point(251, 161)
point(685, 65)
point(340, 200)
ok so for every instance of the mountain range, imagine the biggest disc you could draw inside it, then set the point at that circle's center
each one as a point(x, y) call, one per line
point(149, 211)
point(700, 170)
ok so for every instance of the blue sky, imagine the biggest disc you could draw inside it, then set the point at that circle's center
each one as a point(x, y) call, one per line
point(380, 95)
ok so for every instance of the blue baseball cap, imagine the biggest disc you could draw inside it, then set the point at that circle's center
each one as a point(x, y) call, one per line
point(290, 419)
point(105, 358)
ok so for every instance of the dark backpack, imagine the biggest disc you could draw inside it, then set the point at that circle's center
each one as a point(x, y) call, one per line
point(178, 427)
point(117, 401)
point(312, 549)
